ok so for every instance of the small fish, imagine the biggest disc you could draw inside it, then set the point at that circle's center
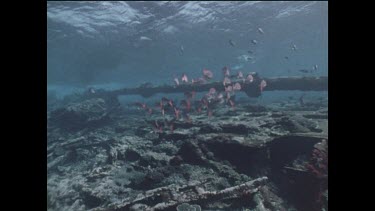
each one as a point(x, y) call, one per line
point(301, 101)
point(186, 104)
point(182, 49)
point(184, 78)
point(187, 118)
point(176, 81)
point(199, 109)
point(204, 102)
point(227, 95)
point(250, 51)
point(170, 103)
point(226, 81)
point(171, 127)
point(262, 85)
point(209, 112)
point(254, 42)
point(231, 103)
point(92, 90)
point(286, 57)
point(249, 78)
point(260, 30)
point(226, 71)
point(237, 87)
point(212, 91)
point(176, 113)
point(207, 74)
point(315, 67)
point(294, 47)
point(220, 96)
point(145, 38)
point(232, 43)
point(228, 89)
point(157, 126)
point(170, 124)
point(239, 75)
point(161, 106)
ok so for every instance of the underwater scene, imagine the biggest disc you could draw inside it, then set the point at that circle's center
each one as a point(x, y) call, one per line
point(187, 105)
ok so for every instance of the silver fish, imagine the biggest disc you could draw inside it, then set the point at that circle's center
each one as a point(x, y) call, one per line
point(232, 43)
point(260, 30)
point(294, 47)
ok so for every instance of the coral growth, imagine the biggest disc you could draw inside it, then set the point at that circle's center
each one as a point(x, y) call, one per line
point(318, 164)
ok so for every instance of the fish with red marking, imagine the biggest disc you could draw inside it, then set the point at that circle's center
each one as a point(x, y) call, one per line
point(226, 71)
point(239, 75)
point(204, 102)
point(237, 87)
point(220, 98)
point(170, 124)
point(199, 108)
point(229, 89)
point(226, 81)
point(184, 78)
point(207, 74)
point(231, 102)
point(157, 127)
point(176, 112)
point(186, 117)
point(170, 103)
point(262, 85)
point(161, 106)
point(186, 104)
point(212, 91)
point(227, 96)
point(249, 78)
point(209, 112)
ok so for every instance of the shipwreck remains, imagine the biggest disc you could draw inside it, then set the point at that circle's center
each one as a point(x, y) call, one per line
point(251, 89)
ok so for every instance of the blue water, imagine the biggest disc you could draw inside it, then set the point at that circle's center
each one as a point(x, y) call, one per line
point(123, 44)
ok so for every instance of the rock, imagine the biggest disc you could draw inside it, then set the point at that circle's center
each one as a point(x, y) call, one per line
point(210, 129)
point(77, 116)
point(175, 136)
point(298, 125)
point(191, 153)
point(176, 160)
point(137, 207)
point(255, 108)
point(131, 155)
point(188, 207)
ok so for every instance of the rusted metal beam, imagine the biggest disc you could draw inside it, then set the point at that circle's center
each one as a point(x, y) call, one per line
point(251, 89)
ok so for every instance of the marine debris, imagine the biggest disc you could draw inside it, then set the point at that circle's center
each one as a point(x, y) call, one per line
point(251, 89)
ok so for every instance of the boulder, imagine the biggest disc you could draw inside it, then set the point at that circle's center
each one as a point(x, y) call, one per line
point(77, 116)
